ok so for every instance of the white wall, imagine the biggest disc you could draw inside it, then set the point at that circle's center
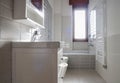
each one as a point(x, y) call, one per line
point(81, 61)
point(52, 5)
point(57, 27)
point(57, 20)
point(63, 25)
point(112, 73)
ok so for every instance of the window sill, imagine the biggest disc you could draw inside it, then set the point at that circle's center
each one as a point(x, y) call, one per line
point(75, 40)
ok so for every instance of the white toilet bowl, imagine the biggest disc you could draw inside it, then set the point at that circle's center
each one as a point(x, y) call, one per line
point(63, 66)
point(62, 69)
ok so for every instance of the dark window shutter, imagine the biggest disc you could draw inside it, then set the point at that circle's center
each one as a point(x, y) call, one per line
point(79, 3)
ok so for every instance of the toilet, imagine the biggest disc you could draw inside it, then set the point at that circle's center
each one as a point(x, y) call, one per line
point(63, 66)
point(63, 69)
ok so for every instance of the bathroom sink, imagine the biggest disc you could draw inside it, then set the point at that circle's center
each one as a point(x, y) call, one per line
point(45, 44)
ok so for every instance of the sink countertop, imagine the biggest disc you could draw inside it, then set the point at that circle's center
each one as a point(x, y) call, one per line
point(51, 44)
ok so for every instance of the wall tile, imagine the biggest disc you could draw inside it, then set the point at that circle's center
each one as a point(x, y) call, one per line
point(25, 32)
point(81, 61)
point(114, 46)
point(5, 12)
point(44, 34)
point(7, 3)
point(9, 30)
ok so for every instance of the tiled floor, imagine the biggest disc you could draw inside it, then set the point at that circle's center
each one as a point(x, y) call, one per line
point(82, 76)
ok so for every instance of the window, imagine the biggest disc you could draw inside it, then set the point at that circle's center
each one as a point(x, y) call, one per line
point(80, 25)
point(93, 24)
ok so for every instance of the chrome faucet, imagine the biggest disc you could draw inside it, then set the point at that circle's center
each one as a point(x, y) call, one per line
point(34, 36)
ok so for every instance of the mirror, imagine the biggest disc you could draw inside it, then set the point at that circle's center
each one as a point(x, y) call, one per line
point(37, 4)
point(93, 24)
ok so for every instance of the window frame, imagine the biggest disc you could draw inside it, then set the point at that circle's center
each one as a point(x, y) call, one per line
point(80, 40)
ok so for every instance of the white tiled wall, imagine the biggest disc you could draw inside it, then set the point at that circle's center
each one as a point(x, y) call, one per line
point(81, 61)
point(12, 30)
point(9, 29)
point(6, 8)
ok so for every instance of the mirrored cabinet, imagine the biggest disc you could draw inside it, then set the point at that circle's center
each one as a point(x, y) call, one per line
point(29, 12)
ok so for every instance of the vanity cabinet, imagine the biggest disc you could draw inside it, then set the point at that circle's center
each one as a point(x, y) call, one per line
point(29, 12)
point(34, 62)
